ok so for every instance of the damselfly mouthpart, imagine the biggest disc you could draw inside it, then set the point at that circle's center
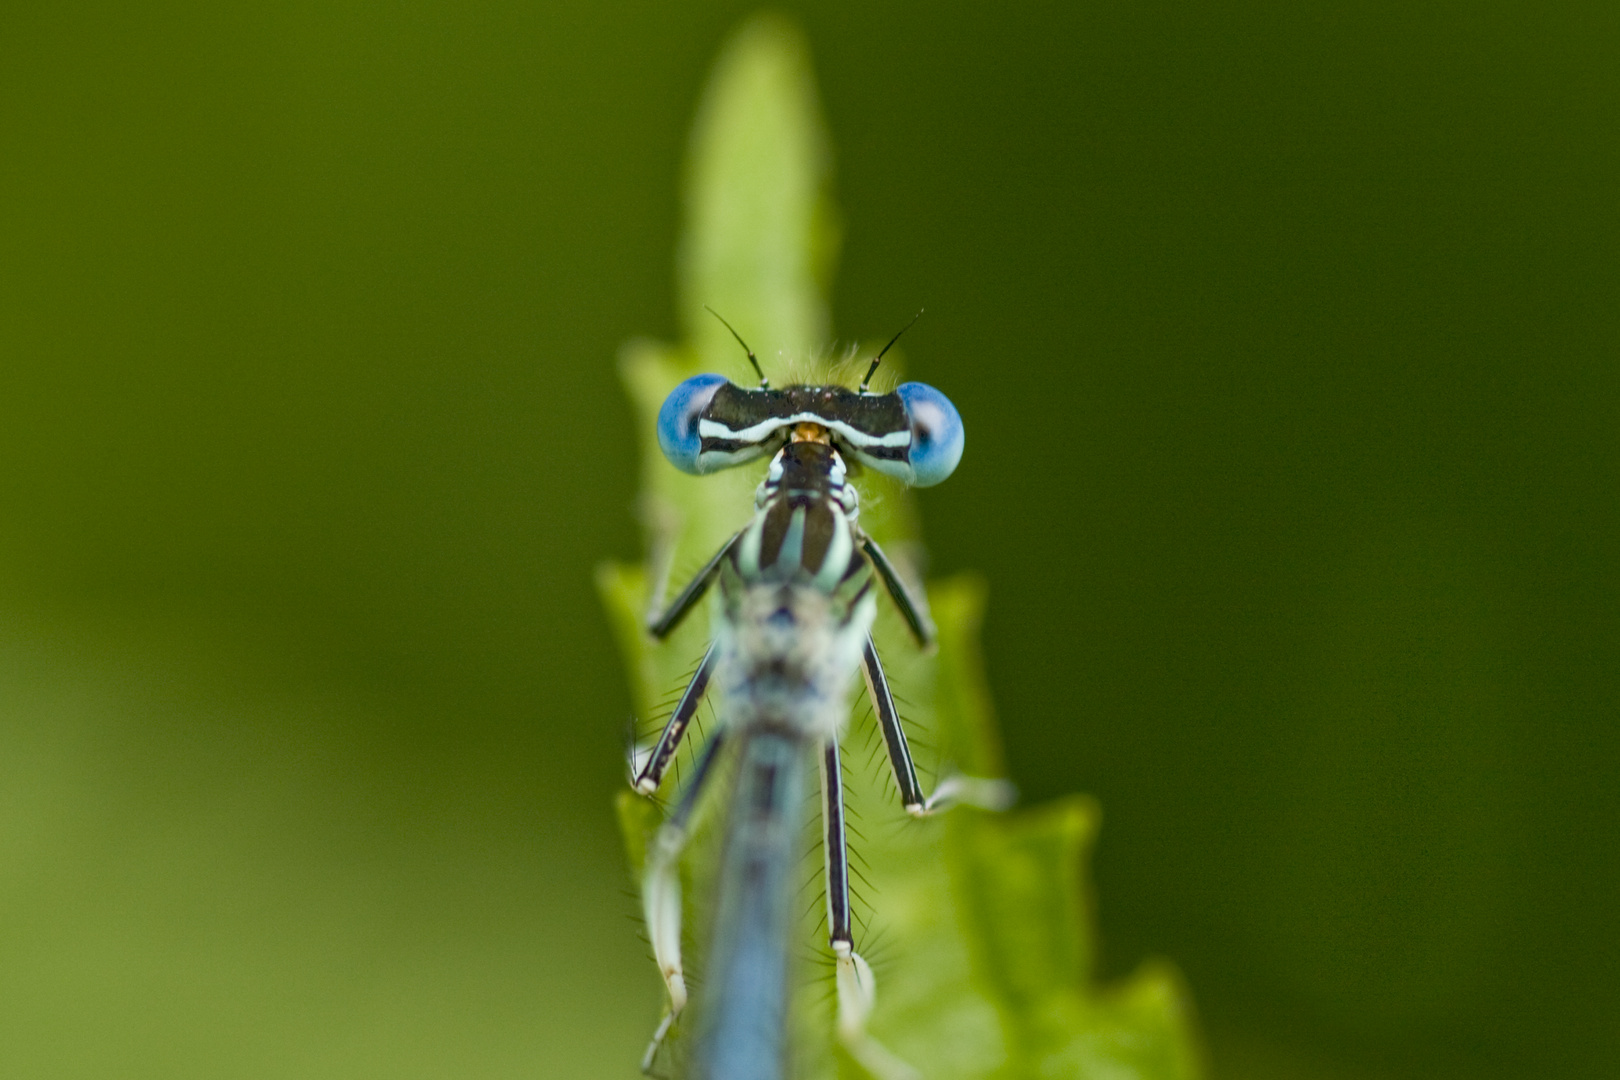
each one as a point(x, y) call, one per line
point(792, 626)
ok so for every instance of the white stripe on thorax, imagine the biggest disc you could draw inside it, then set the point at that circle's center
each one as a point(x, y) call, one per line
point(836, 561)
point(791, 553)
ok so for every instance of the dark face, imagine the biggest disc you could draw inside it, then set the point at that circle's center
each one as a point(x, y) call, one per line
point(913, 432)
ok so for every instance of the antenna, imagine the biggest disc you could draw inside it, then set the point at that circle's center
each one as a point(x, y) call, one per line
point(878, 359)
point(764, 383)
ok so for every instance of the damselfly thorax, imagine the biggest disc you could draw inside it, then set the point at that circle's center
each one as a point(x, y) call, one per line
point(796, 596)
point(793, 627)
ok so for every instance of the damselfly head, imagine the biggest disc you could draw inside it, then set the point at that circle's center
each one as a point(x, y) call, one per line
point(912, 433)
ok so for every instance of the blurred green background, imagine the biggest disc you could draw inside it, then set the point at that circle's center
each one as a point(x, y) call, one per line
point(1286, 340)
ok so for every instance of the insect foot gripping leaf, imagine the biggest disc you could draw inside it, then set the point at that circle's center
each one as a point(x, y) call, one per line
point(961, 943)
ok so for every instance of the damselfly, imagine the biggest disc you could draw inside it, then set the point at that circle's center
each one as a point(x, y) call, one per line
point(792, 628)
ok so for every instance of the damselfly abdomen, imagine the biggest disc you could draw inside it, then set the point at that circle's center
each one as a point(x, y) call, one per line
point(793, 626)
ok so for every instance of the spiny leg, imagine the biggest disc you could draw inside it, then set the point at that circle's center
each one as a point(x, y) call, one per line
point(661, 883)
point(835, 861)
point(661, 894)
point(894, 736)
point(662, 626)
point(857, 990)
point(987, 794)
point(648, 771)
point(913, 606)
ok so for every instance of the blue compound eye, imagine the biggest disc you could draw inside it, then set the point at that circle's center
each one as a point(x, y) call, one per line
point(936, 433)
point(678, 417)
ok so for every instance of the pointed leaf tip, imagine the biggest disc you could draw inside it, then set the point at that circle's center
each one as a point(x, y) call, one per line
point(759, 234)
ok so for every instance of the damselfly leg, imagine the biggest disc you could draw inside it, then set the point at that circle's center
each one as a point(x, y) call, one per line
point(913, 606)
point(856, 987)
point(663, 625)
point(661, 892)
point(955, 790)
point(647, 768)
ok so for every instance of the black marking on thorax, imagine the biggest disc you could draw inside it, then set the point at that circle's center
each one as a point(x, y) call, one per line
point(805, 488)
point(802, 523)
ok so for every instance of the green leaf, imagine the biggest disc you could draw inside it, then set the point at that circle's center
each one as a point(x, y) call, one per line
point(760, 234)
point(978, 925)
